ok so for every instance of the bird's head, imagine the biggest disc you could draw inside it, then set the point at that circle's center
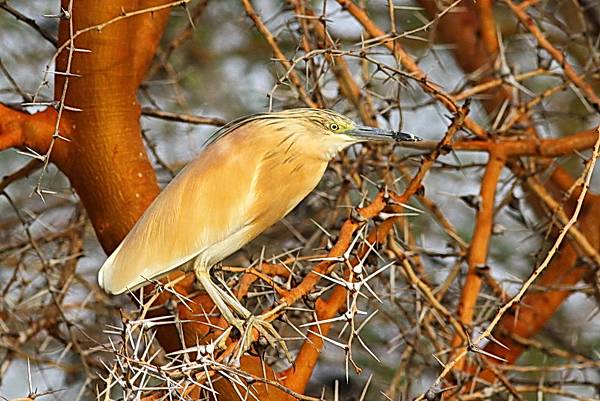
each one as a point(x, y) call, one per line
point(330, 131)
point(319, 133)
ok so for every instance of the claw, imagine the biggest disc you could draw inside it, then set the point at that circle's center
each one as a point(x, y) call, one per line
point(273, 338)
point(266, 330)
point(242, 319)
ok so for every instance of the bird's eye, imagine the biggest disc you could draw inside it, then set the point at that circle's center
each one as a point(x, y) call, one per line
point(334, 127)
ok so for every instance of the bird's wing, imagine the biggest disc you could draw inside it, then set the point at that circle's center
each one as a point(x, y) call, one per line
point(206, 203)
point(238, 187)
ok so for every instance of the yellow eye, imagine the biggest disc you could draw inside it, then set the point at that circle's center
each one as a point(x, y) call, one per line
point(334, 127)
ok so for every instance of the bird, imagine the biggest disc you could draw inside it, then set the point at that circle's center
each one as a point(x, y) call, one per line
point(250, 174)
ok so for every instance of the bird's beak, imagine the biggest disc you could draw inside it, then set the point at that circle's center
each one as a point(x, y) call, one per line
point(365, 133)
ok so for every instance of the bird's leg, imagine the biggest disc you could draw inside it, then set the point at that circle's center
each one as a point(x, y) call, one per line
point(245, 322)
point(216, 294)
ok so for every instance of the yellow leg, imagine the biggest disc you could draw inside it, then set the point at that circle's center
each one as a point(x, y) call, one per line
point(245, 322)
point(216, 294)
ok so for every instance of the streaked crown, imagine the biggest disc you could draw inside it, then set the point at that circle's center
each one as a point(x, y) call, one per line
point(328, 121)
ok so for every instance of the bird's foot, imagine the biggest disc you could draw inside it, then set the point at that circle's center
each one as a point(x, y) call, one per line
point(236, 315)
point(266, 333)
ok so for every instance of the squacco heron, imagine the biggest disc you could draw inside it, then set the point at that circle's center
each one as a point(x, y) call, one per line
point(252, 173)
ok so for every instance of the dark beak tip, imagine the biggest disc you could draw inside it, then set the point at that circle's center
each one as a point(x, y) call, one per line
point(400, 136)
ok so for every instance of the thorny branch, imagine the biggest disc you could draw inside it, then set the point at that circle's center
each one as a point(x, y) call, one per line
point(359, 267)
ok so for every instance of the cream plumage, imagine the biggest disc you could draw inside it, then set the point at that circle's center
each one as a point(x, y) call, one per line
point(250, 175)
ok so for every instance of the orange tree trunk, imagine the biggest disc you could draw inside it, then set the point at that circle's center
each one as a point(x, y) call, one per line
point(105, 158)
